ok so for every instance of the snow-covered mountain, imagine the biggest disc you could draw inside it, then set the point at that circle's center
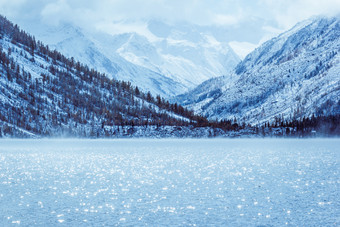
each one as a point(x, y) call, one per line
point(44, 93)
point(99, 53)
point(164, 59)
point(293, 75)
point(183, 52)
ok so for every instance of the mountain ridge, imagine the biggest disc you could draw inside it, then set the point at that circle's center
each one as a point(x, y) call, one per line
point(289, 77)
point(44, 93)
point(178, 62)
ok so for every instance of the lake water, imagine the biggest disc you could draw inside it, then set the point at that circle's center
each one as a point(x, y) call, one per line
point(177, 182)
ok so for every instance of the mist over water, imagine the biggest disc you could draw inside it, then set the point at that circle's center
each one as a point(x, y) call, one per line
point(177, 182)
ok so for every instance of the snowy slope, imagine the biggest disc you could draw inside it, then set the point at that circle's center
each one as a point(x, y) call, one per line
point(44, 93)
point(97, 54)
point(40, 66)
point(166, 60)
point(184, 53)
point(293, 75)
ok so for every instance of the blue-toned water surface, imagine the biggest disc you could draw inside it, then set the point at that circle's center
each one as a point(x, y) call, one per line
point(170, 182)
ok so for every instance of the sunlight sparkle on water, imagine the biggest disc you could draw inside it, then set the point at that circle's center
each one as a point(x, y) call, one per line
point(170, 182)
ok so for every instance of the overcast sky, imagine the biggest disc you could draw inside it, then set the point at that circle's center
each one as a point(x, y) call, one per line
point(273, 16)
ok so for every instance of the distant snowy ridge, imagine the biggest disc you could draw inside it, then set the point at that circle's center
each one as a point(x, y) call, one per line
point(294, 75)
point(167, 60)
point(99, 53)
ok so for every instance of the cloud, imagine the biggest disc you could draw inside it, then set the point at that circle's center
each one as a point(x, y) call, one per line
point(223, 12)
point(226, 20)
point(196, 11)
point(54, 12)
point(242, 48)
point(288, 12)
point(7, 7)
point(277, 14)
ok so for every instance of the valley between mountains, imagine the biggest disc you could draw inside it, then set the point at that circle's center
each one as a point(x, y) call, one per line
point(169, 82)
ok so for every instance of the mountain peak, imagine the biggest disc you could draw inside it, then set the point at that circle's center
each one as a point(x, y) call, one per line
point(44, 93)
point(293, 75)
point(175, 59)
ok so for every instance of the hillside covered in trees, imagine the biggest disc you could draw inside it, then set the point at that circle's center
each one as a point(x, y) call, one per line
point(43, 93)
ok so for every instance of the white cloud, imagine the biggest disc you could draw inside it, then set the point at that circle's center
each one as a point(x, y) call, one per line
point(220, 19)
point(238, 14)
point(288, 12)
point(119, 28)
point(228, 12)
point(54, 12)
point(7, 7)
point(242, 48)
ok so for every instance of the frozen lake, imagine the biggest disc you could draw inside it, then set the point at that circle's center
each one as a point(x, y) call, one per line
point(170, 182)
